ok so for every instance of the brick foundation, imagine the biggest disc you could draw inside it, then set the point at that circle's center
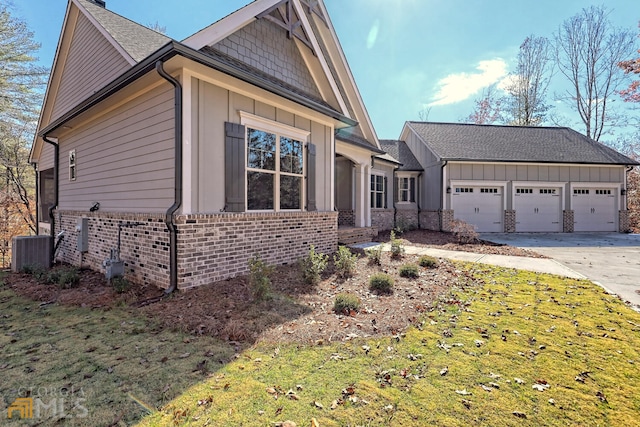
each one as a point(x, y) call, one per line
point(210, 247)
point(447, 218)
point(567, 221)
point(509, 221)
point(144, 248)
point(430, 220)
point(382, 219)
point(406, 219)
point(346, 218)
point(624, 224)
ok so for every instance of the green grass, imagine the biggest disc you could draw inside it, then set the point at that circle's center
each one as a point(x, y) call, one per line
point(122, 365)
point(533, 327)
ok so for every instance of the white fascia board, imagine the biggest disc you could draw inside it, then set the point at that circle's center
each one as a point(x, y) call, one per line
point(228, 25)
point(323, 61)
point(105, 33)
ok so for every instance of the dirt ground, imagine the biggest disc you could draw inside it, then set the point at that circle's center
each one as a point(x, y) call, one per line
point(296, 311)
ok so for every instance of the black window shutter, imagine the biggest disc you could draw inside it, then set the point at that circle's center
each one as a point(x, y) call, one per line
point(311, 177)
point(385, 192)
point(412, 189)
point(235, 183)
point(396, 189)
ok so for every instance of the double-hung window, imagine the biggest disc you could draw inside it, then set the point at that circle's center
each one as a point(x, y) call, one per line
point(378, 192)
point(275, 167)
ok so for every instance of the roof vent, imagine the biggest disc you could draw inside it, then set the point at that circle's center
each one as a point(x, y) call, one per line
point(101, 3)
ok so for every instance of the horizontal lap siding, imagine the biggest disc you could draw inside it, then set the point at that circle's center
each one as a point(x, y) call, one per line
point(125, 159)
point(91, 63)
point(545, 173)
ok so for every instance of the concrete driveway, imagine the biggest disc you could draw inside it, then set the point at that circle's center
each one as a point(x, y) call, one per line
point(609, 259)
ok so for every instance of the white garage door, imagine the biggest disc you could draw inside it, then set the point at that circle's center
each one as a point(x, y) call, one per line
point(538, 209)
point(480, 206)
point(594, 209)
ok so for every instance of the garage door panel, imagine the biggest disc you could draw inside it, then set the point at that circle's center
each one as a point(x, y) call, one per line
point(538, 209)
point(480, 206)
point(594, 209)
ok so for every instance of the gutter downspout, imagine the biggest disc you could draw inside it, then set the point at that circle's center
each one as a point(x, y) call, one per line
point(35, 172)
point(52, 220)
point(418, 196)
point(442, 187)
point(177, 198)
point(395, 196)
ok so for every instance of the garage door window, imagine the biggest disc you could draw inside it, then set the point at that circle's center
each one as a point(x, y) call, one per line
point(547, 191)
point(489, 190)
point(464, 190)
point(603, 192)
point(580, 191)
point(524, 190)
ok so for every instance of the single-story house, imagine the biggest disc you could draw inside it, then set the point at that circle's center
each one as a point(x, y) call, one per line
point(198, 154)
point(518, 179)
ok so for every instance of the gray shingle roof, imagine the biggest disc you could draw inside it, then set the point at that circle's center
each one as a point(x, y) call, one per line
point(400, 151)
point(137, 40)
point(458, 141)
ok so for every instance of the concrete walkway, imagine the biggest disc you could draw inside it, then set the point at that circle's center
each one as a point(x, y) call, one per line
point(538, 265)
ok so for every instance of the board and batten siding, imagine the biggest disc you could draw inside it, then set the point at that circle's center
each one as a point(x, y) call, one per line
point(124, 159)
point(91, 63)
point(431, 181)
point(212, 106)
point(548, 173)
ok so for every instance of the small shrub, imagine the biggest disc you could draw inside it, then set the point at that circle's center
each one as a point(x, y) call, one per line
point(37, 271)
point(397, 248)
point(313, 265)
point(409, 271)
point(463, 231)
point(120, 284)
point(374, 255)
point(345, 303)
point(65, 278)
point(259, 273)
point(381, 283)
point(345, 262)
point(428, 261)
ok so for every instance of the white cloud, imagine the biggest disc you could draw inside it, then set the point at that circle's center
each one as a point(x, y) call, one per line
point(373, 34)
point(458, 87)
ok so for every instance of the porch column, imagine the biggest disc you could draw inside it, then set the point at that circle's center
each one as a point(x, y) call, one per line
point(362, 195)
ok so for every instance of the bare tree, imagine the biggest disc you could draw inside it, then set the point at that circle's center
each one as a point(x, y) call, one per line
point(423, 114)
point(488, 109)
point(588, 50)
point(525, 104)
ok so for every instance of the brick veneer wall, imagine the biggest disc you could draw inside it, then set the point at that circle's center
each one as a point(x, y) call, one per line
point(509, 221)
point(407, 219)
point(624, 224)
point(567, 221)
point(347, 218)
point(144, 248)
point(382, 219)
point(447, 218)
point(214, 247)
point(430, 220)
point(210, 247)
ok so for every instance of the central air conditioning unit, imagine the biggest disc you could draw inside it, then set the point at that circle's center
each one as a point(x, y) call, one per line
point(30, 251)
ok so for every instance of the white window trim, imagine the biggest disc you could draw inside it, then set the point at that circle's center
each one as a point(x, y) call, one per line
point(408, 175)
point(384, 185)
point(249, 120)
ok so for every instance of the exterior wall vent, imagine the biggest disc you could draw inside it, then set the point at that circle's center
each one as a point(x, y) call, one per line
point(100, 3)
point(31, 251)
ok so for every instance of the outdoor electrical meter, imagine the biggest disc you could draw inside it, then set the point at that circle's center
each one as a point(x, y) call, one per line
point(82, 228)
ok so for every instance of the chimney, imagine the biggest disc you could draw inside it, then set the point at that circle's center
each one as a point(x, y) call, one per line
point(100, 3)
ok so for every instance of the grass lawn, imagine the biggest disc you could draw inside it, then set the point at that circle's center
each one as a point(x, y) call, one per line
point(521, 349)
point(524, 349)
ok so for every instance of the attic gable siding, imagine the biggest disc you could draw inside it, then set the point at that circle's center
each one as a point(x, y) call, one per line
point(265, 46)
point(124, 159)
point(91, 63)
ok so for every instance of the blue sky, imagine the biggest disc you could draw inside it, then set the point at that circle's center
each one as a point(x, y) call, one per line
point(404, 54)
